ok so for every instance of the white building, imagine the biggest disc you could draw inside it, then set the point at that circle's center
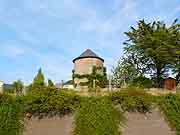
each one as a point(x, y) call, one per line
point(1, 86)
point(68, 85)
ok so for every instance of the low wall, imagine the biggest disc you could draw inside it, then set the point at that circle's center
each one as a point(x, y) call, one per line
point(49, 126)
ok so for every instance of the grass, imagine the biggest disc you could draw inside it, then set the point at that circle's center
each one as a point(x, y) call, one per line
point(11, 116)
point(170, 108)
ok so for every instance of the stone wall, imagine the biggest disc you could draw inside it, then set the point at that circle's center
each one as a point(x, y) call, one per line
point(49, 126)
point(85, 65)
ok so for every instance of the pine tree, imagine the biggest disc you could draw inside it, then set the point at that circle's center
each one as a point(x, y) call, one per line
point(50, 83)
point(38, 81)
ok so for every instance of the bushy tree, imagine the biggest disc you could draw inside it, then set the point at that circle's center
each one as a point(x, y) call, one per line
point(38, 82)
point(154, 43)
point(175, 49)
point(50, 83)
point(125, 72)
point(178, 88)
point(39, 79)
point(18, 87)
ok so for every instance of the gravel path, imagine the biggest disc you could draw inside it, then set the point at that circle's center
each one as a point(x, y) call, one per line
point(149, 124)
point(52, 126)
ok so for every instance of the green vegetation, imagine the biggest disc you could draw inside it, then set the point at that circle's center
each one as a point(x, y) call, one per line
point(38, 82)
point(11, 116)
point(50, 102)
point(170, 107)
point(18, 87)
point(178, 88)
point(50, 83)
point(151, 49)
point(133, 100)
point(97, 116)
point(98, 77)
point(94, 115)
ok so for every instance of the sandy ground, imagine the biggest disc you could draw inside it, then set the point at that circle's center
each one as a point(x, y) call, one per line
point(52, 126)
point(149, 124)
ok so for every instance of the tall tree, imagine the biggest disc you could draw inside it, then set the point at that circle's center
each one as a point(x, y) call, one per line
point(18, 87)
point(153, 43)
point(50, 83)
point(125, 72)
point(38, 81)
point(175, 30)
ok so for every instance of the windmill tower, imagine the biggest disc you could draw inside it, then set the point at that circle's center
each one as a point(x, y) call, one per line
point(83, 65)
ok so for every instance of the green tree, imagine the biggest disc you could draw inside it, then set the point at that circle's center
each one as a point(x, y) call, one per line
point(125, 72)
point(178, 88)
point(176, 51)
point(154, 44)
point(18, 87)
point(50, 83)
point(38, 81)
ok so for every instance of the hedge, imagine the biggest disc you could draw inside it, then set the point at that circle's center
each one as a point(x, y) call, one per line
point(133, 100)
point(50, 102)
point(170, 108)
point(11, 116)
point(97, 116)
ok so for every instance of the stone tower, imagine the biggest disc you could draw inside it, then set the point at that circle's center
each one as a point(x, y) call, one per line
point(84, 64)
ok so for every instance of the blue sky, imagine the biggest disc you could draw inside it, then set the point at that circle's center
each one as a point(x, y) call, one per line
point(50, 33)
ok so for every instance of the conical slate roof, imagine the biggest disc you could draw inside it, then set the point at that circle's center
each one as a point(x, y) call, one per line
point(88, 54)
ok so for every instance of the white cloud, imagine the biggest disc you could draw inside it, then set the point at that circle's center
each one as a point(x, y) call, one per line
point(11, 50)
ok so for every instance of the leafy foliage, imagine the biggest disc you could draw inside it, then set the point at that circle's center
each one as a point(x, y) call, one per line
point(50, 83)
point(98, 76)
point(133, 100)
point(38, 81)
point(153, 44)
point(50, 102)
point(178, 88)
point(124, 72)
point(97, 116)
point(18, 87)
point(141, 82)
point(170, 107)
point(11, 116)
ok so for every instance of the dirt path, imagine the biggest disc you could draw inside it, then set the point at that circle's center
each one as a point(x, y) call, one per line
point(53, 126)
point(136, 124)
point(150, 124)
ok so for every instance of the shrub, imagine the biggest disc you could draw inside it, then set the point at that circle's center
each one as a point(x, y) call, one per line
point(50, 102)
point(170, 108)
point(97, 116)
point(178, 88)
point(11, 116)
point(141, 82)
point(133, 100)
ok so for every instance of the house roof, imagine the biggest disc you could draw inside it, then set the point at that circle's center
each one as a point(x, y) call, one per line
point(70, 82)
point(7, 86)
point(88, 54)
